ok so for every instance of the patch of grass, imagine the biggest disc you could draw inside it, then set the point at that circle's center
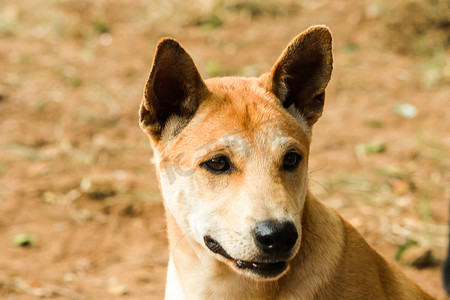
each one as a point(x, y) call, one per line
point(356, 186)
point(424, 205)
point(100, 27)
point(7, 31)
point(255, 9)
point(392, 172)
point(433, 149)
point(99, 189)
point(210, 22)
point(76, 155)
point(100, 195)
point(374, 123)
point(24, 152)
point(373, 147)
point(403, 247)
point(218, 13)
point(252, 8)
point(362, 150)
point(24, 58)
point(438, 155)
point(417, 27)
point(8, 21)
point(50, 198)
point(143, 195)
point(41, 105)
point(69, 74)
point(24, 240)
point(352, 183)
point(75, 81)
point(58, 70)
point(213, 68)
point(350, 47)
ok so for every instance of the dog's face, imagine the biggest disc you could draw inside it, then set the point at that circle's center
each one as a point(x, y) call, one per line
point(232, 153)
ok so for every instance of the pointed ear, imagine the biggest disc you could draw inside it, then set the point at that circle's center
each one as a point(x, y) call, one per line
point(302, 72)
point(174, 89)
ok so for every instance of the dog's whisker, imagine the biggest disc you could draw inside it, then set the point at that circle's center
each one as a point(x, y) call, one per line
point(179, 240)
point(320, 168)
point(321, 185)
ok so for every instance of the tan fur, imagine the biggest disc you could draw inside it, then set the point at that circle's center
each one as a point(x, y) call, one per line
point(254, 122)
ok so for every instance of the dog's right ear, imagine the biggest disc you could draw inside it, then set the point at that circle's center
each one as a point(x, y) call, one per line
point(174, 89)
point(302, 72)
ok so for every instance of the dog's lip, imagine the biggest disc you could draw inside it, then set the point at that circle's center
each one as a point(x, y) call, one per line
point(215, 247)
point(265, 269)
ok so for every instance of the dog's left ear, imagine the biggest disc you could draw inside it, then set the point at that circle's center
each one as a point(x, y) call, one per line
point(301, 74)
point(174, 89)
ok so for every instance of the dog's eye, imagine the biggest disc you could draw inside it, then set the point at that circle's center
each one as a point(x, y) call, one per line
point(217, 165)
point(291, 161)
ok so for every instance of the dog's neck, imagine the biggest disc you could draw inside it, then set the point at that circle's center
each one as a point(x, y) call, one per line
point(200, 276)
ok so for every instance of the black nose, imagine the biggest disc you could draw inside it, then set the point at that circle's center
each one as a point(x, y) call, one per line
point(274, 237)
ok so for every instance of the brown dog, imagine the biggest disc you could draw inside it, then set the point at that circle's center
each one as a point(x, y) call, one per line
point(232, 156)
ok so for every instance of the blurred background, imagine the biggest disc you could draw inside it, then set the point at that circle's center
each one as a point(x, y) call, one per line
point(81, 215)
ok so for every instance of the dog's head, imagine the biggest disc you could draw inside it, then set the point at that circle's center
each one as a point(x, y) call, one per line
point(232, 153)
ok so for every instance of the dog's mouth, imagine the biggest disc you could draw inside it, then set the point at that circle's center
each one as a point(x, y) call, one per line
point(263, 269)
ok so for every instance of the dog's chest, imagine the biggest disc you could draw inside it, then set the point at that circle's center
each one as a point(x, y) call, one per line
point(174, 289)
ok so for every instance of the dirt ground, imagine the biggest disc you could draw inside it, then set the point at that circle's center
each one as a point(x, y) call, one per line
point(81, 215)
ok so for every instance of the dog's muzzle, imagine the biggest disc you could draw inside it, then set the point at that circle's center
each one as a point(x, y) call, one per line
point(274, 239)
